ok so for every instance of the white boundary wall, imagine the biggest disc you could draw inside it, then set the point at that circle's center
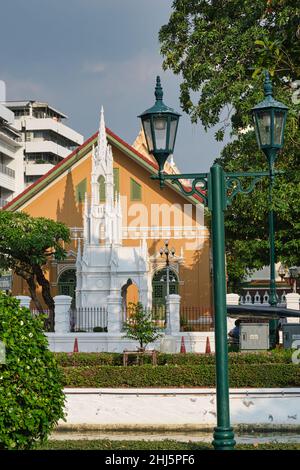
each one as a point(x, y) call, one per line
point(178, 408)
point(109, 342)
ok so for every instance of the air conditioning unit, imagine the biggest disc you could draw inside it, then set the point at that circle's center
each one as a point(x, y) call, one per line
point(254, 336)
point(291, 335)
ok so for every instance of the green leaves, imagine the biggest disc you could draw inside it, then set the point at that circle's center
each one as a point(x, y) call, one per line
point(31, 397)
point(221, 49)
point(241, 374)
point(31, 240)
point(26, 244)
point(139, 326)
point(246, 220)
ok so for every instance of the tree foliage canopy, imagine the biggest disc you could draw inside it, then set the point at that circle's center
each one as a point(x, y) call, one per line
point(26, 244)
point(139, 326)
point(220, 48)
point(31, 396)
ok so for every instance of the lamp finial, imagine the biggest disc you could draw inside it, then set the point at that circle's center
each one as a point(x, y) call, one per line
point(158, 90)
point(268, 88)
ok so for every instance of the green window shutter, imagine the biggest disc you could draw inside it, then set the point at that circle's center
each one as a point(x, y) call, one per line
point(80, 191)
point(116, 181)
point(135, 190)
point(101, 182)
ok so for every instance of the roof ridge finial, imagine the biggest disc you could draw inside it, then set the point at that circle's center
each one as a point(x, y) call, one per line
point(268, 87)
point(158, 90)
point(101, 141)
point(102, 119)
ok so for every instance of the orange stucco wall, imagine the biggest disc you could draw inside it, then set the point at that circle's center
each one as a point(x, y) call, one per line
point(58, 201)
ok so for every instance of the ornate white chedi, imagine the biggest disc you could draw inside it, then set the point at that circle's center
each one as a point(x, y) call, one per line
point(104, 267)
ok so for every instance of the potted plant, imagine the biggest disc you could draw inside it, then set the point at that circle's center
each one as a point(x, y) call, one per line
point(140, 327)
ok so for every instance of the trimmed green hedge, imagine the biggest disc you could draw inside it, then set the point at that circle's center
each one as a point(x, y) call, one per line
point(89, 359)
point(280, 356)
point(105, 444)
point(250, 375)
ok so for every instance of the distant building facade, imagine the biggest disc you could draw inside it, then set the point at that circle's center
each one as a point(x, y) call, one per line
point(11, 157)
point(45, 139)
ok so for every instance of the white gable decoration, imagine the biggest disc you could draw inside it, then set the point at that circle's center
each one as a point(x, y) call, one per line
point(103, 265)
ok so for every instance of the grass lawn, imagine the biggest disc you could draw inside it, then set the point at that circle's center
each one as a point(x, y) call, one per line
point(106, 444)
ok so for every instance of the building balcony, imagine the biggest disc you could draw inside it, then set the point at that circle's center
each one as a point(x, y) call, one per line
point(49, 124)
point(46, 146)
point(37, 169)
point(7, 179)
point(7, 171)
point(8, 146)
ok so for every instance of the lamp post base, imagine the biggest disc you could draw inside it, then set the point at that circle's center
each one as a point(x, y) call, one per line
point(223, 438)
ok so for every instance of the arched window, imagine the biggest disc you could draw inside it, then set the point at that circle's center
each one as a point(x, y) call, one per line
point(101, 183)
point(67, 284)
point(159, 286)
point(129, 294)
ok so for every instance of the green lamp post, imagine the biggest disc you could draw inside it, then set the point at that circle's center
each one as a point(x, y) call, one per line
point(269, 118)
point(160, 126)
point(216, 189)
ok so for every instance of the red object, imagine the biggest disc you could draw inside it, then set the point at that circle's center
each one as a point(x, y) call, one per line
point(207, 347)
point(182, 347)
point(75, 349)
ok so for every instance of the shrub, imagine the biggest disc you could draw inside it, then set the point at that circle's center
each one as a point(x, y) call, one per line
point(140, 326)
point(115, 359)
point(89, 359)
point(250, 375)
point(166, 444)
point(31, 397)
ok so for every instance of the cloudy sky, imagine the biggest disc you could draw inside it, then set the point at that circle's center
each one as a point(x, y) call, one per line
point(81, 54)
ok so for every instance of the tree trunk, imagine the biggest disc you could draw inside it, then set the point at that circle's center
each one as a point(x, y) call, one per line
point(46, 293)
point(29, 278)
point(32, 289)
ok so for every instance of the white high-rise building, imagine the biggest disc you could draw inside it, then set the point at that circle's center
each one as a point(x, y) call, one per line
point(11, 157)
point(45, 139)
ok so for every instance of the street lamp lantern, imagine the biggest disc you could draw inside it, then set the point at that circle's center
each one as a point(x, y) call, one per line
point(160, 128)
point(269, 120)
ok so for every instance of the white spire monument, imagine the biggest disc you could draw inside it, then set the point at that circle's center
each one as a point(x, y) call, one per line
point(105, 266)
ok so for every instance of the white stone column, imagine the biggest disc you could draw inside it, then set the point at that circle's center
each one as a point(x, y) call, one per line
point(62, 313)
point(231, 299)
point(114, 313)
point(173, 307)
point(24, 300)
point(292, 302)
